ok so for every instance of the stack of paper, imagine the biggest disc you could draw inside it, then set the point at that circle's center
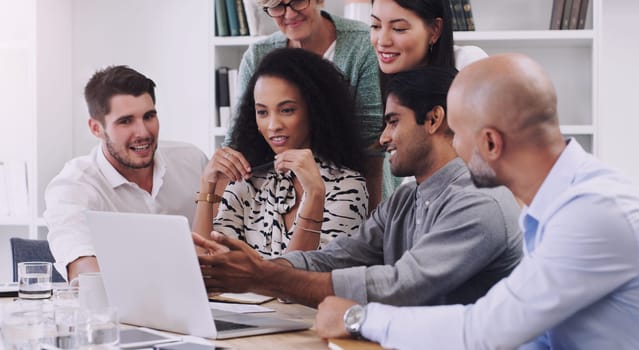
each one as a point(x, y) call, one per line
point(241, 298)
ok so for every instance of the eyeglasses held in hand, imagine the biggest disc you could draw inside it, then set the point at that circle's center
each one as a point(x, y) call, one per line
point(280, 9)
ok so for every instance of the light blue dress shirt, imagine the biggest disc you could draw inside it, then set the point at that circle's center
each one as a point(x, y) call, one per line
point(577, 286)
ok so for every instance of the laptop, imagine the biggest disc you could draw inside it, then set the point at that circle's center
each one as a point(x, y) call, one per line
point(152, 276)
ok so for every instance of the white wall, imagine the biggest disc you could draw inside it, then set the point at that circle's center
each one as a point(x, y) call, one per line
point(17, 96)
point(619, 77)
point(53, 89)
point(17, 79)
point(168, 43)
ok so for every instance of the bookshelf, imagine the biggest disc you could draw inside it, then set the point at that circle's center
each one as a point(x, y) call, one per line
point(570, 56)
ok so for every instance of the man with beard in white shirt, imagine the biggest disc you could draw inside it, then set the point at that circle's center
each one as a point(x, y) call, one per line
point(126, 172)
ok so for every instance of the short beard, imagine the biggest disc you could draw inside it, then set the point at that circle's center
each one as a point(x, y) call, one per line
point(481, 173)
point(124, 162)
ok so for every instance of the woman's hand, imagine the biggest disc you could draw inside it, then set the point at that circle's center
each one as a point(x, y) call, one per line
point(302, 163)
point(226, 162)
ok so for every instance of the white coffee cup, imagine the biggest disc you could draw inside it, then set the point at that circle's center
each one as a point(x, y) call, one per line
point(92, 295)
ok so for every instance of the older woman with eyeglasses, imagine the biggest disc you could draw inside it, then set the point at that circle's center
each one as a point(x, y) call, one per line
point(303, 24)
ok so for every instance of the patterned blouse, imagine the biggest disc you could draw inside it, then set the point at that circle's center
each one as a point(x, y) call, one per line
point(253, 210)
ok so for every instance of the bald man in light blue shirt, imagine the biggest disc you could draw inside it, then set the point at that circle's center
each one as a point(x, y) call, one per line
point(577, 286)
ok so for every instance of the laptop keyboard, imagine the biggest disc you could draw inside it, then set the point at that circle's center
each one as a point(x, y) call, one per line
point(227, 326)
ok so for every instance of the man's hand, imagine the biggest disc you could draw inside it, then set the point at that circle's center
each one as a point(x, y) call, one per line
point(233, 266)
point(329, 321)
point(81, 265)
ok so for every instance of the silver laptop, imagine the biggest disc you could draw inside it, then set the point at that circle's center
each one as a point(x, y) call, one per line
point(152, 276)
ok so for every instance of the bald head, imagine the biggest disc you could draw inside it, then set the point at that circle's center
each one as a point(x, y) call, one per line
point(509, 92)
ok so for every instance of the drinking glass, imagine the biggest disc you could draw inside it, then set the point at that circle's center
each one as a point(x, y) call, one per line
point(27, 325)
point(67, 316)
point(66, 297)
point(34, 280)
point(92, 294)
point(98, 329)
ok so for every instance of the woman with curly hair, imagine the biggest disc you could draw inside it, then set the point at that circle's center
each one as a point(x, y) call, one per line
point(305, 24)
point(297, 113)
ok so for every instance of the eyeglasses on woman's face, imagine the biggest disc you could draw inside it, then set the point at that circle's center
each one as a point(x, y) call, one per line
point(280, 9)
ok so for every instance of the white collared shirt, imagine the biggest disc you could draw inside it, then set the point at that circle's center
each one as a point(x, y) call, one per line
point(91, 183)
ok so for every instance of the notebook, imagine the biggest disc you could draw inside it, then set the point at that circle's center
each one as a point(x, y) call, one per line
point(152, 276)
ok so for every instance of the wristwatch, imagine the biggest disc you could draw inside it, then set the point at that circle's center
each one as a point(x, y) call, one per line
point(354, 317)
point(207, 197)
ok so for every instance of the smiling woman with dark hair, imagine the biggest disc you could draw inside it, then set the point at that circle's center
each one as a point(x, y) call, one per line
point(298, 114)
point(407, 34)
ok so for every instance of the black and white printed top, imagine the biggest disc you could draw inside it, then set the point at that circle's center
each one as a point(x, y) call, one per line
point(253, 210)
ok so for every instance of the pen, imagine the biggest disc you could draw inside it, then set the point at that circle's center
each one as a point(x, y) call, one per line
point(265, 166)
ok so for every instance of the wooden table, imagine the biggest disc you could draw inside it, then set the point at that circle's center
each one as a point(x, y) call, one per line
point(307, 339)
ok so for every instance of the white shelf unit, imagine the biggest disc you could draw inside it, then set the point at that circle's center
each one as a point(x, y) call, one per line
point(570, 56)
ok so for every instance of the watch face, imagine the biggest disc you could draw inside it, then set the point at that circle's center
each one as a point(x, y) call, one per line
point(354, 315)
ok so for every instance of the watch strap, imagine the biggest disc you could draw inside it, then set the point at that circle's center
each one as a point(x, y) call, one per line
point(207, 197)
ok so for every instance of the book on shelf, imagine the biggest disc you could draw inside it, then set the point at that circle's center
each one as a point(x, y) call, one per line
point(251, 16)
point(556, 15)
point(221, 23)
point(574, 14)
point(458, 14)
point(468, 16)
point(241, 17)
point(233, 98)
point(258, 22)
point(583, 11)
point(222, 96)
point(565, 16)
point(231, 16)
point(453, 19)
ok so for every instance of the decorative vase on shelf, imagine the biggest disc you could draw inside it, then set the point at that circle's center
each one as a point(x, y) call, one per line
point(359, 10)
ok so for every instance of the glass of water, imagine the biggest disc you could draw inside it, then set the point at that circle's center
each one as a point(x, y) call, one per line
point(67, 315)
point(98, 329)
point(34, 280)
point(27, 325)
